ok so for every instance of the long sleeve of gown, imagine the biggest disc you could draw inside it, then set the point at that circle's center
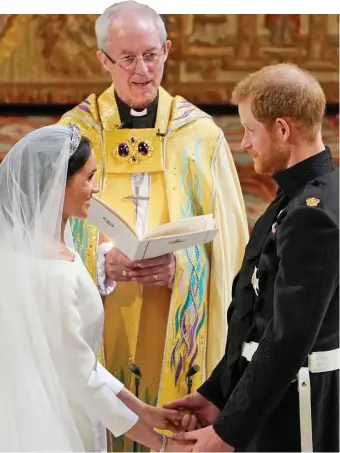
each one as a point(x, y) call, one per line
point(87, 382)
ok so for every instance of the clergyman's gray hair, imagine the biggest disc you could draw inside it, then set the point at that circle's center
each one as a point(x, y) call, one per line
point(104, 21)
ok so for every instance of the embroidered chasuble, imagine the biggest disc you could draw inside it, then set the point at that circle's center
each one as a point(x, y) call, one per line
point(165, 331)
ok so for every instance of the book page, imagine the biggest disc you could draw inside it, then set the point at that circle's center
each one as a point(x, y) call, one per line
point(113, 227)
point(105, 206)
point(151, 248)
point(187, 225)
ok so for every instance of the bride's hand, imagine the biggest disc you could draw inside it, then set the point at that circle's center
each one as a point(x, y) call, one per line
point(190, 422)
point(162, 418)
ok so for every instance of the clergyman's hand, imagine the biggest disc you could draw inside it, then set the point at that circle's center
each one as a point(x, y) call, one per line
point(158, 271)
point(118, 267)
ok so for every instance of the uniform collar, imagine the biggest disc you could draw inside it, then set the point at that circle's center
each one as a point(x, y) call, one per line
point(299, 175)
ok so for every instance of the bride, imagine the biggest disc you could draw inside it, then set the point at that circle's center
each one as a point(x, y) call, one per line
point(54, 394)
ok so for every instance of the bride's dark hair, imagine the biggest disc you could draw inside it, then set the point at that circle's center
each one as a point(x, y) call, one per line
point(79, 157)
point(37, 153)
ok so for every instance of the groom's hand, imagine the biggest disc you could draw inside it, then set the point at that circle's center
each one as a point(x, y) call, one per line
point(205, 439)
point(205, 411)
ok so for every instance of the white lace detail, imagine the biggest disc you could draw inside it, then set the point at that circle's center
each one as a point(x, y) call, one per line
point(105, 285)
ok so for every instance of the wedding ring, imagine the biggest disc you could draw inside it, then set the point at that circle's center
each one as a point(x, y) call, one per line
point(156, 277)
point(124, 273)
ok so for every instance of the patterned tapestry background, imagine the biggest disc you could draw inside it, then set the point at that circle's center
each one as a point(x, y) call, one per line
point(258, 190)
point(51, 58)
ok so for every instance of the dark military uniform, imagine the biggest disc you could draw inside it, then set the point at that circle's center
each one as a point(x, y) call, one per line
point(285, 298)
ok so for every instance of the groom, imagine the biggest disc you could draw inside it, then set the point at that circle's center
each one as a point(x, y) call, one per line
point(276, 388)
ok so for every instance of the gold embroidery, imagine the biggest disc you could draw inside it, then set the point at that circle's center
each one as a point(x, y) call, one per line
point(312, 202)
point(133, 150)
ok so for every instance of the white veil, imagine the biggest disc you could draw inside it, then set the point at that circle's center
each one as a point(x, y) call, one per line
point(34, 411)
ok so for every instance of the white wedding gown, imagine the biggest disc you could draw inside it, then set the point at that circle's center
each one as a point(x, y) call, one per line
point(54, 396)
point(91, 390)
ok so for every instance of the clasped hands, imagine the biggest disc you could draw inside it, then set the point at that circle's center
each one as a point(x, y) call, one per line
point(190, 419)
point(158, 271)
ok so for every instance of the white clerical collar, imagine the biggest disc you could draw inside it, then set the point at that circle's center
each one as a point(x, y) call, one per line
point(135, 113)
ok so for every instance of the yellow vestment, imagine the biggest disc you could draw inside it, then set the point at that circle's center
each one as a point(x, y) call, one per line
point(165, 331)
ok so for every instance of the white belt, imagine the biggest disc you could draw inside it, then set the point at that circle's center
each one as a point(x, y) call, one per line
point(318, 362)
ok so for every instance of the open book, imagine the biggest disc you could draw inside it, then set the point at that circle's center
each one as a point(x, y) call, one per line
point(165, 239)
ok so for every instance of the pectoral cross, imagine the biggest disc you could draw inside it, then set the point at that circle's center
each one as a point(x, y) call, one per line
point(136, 184)
point(137, 180)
